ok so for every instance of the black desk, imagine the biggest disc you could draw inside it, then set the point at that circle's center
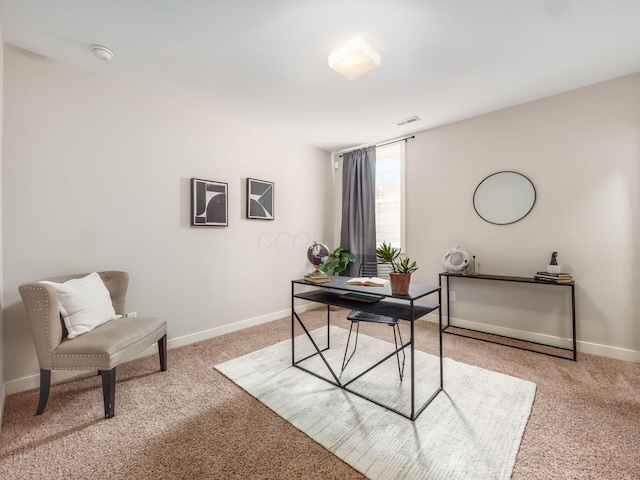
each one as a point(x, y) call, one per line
point(403, 307)
point(501, 278)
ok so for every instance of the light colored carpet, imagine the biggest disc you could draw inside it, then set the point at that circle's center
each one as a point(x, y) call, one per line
point(471, 430)
point(191, 422)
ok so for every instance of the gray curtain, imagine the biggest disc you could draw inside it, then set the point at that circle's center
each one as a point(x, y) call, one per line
point(358, 234)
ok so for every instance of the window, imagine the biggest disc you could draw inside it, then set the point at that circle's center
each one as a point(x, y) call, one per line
point(390, 194)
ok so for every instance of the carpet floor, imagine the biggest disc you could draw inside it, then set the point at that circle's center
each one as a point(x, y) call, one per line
point(192, 422)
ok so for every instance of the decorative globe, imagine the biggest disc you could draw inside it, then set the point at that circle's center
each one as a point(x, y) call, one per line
point(318, 254)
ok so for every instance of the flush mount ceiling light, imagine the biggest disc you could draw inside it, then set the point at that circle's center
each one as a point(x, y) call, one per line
point(103, 53)
point(354, 59)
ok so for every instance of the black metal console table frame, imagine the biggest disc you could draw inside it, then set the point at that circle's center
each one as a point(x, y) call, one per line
point(501, 278)
point(397, 306)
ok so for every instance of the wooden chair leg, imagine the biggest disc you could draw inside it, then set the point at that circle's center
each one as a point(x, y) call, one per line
point(162, 352)
point(45, 386)
point(109, 391)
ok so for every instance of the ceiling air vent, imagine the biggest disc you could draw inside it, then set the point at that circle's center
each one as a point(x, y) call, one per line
point(407, 121)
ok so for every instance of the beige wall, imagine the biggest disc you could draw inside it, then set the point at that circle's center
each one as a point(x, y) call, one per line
point(2, 386)
point(581, 150)
point(97, 176)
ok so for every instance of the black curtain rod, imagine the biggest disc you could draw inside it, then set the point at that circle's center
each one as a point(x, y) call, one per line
point(384, 144)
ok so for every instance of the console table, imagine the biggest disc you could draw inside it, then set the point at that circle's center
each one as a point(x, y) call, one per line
point(403, 307)
point(500, 278)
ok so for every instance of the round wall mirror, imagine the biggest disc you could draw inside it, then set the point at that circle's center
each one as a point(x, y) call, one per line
point(504, 197)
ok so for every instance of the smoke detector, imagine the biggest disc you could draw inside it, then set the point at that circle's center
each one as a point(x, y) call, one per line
point(103, 53)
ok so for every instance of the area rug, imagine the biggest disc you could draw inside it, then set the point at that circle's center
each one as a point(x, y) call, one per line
point(471, 430)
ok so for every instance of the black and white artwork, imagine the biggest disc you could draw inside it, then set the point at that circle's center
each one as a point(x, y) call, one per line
point(259, 199)
point(208, 203)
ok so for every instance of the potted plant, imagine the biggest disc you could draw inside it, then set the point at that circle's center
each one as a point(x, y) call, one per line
point(400, 277)
point(338, 261)
point(386, 253)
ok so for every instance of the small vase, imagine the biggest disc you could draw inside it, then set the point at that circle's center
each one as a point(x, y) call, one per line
point(400, 283)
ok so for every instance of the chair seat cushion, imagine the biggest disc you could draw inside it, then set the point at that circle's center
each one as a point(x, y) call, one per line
point(109, 344)
point(358, 316)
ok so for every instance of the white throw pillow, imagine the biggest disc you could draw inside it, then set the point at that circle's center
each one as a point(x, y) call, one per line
point(84, 302)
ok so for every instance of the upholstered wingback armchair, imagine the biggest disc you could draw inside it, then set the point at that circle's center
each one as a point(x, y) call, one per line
point(62, 346)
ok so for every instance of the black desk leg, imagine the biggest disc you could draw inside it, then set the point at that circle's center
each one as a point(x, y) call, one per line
point(448, 304)
point(328, 327)
point(440, 298)
point(573, 319)
point(293, 333)
point(440, 338)
point(413, 368)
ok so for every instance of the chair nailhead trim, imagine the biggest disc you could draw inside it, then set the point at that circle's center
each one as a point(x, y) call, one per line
point(46, 323)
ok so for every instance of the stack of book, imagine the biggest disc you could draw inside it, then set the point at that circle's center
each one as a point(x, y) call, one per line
point(553, 277)
point(317, 277)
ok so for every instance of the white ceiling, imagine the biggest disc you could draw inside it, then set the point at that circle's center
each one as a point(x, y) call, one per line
point(265, 61)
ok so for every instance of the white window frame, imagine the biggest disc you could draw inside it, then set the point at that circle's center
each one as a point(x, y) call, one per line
point(402, 194)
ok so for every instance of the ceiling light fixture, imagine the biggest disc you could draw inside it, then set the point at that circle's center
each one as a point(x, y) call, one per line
point(354, 59)
point(103, 53)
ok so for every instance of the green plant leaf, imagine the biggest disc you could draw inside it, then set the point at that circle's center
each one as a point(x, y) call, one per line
point(405, 266)
point(387, 253)
point(338, 261)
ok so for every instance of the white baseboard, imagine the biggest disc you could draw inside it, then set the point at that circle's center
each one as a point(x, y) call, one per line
point(583, 347)
point(33, 381)
point(609, 352)
point(234, 327)
point(3, 397)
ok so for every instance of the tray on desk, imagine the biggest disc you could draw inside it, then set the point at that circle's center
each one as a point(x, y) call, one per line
point(362, 297)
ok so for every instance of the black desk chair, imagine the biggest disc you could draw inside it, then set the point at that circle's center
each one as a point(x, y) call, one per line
point(380, 270)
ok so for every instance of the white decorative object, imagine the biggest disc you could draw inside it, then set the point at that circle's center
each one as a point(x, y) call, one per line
point(456, 260)
point(472, 266)
point(85, 303)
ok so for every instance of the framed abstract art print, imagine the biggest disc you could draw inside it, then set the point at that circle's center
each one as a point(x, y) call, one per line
point(209, 203)
point(260, 199)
